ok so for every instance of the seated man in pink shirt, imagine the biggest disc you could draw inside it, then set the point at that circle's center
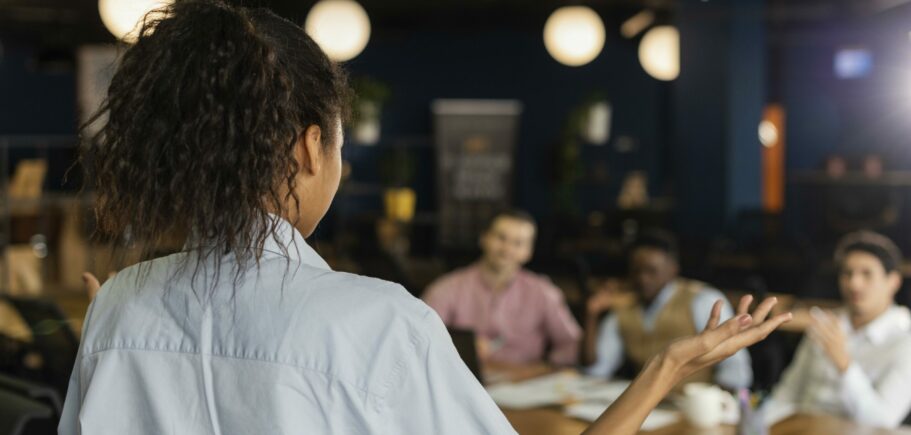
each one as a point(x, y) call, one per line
point(516, 314)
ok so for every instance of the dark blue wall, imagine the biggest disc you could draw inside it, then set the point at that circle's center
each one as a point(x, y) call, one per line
point(718, 102)
point(419, 67)
point(426, 65)
point(34, 100)
point(38, 111)
point(827, 115)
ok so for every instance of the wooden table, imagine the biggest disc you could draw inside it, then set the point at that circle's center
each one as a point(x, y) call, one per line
point(551, 421)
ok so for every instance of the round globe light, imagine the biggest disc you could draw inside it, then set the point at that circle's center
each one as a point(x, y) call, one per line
point(123, 18)
point(768, 133)
point(340, 27)
point(659, 52)
point(574, 35)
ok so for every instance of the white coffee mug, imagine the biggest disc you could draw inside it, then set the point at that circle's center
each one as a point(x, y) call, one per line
point(705, 405)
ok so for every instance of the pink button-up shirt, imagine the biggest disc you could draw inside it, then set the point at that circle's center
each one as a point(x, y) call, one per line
point(519, 322)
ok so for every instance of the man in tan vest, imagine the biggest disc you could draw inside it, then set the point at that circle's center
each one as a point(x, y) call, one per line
point(667, 307)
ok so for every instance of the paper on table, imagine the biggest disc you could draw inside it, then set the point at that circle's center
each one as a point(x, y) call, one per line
point(604, 392)
point(774, 411)
point(554, 389)
point(590, 411)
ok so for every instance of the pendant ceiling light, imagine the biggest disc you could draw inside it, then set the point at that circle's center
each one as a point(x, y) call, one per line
point(340, 27)
point(659, 52)
point(574, 35)
point(123, 18)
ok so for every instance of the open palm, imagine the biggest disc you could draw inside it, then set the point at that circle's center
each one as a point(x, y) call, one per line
point(719, 341)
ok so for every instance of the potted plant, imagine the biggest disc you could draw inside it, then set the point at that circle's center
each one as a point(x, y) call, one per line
point(397, 169)
point(587, 123)
point(370, 95)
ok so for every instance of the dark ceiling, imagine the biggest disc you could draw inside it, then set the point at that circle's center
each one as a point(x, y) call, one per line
point(71, 22)
point(64, 23)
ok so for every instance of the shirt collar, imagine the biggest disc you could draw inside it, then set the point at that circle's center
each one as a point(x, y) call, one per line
point(663, 296)
point(895, 320)
point(286, 241)
point(479, 275)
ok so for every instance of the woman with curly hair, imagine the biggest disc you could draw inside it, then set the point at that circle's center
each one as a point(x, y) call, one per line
point(222, 127)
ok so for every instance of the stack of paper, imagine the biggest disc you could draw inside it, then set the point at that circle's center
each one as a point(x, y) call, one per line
point(774, 411)
point(585, 397)
point(605, 392)
point(555, 389)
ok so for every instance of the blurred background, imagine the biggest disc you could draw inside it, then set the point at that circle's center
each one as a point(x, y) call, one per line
point(759, 131)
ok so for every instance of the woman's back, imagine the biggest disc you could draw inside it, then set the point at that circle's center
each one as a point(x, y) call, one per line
point(290, 348)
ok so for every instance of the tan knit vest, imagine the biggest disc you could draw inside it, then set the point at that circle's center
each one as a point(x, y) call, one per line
point(675, 320)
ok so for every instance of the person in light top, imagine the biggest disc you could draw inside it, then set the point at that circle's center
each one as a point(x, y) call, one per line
point(855, 361)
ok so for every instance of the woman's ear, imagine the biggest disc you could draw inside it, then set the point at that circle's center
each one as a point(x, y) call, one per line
point(895, 281)
point(309, 149)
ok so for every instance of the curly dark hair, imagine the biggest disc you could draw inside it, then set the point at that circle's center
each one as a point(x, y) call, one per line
point(199, 126)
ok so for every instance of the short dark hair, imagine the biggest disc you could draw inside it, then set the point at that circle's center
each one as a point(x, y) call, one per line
point(513, 213)
point(658, 239)
point(871, 243)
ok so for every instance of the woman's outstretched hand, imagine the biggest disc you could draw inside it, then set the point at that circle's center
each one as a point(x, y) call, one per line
point(717, 342)
point(684, 357)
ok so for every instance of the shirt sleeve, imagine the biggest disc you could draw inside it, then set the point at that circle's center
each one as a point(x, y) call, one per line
point(69, 418)
point(435, 393)
point(440, 297)
point(736, 371)
point(563, 331)
point(72, 405)
point(608, 349)
point(883, 403)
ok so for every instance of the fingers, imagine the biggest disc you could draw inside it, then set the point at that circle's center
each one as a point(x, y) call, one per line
point(744, 306)
point(826, 330)
point(718, 342)
point(766, 328)
point(715, 316)
point(761, 331)
point(745, 338)
point(833, 321)
point(816, 321)
point(817, 314)
point(706, 347)
point(762, 311)
point(811, 332)
point(712, 338)
point(91, 284)
point(819, 335)
point(823, 322)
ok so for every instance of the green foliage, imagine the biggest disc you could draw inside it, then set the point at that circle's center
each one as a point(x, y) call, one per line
point(569, 169)
point(367, 89)
point(397, 167)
